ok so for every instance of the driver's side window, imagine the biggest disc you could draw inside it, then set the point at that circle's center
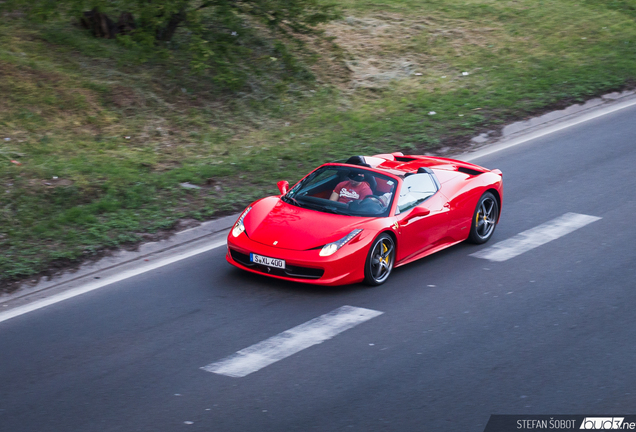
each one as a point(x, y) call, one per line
point(415, 189)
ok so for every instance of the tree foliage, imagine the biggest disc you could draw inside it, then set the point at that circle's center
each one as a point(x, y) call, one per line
point(219, 37)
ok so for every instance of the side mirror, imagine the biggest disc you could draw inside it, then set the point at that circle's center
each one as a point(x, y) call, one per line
point(282, 186)
point(416, 212)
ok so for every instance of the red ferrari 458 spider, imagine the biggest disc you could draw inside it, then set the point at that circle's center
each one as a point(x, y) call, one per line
point(355, 221)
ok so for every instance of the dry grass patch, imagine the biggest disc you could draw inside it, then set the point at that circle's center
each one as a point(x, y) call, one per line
point(381, 49)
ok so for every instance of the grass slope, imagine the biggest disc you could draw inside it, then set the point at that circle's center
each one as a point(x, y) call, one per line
point(104, 140)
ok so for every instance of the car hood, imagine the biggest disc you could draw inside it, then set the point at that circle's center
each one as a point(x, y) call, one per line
point(275, 223)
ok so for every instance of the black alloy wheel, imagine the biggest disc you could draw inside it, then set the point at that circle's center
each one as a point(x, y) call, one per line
point(484, 219)
point(380, 260)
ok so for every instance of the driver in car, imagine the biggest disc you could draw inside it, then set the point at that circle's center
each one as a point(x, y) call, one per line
point(350, 190)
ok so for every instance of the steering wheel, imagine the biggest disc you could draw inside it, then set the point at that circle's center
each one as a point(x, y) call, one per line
point(370, 205)
point(373, 198)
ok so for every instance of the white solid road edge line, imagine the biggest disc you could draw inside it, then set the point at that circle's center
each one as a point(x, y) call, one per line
point(535, 237)
point(290, 342)
point(494, 148)
point(90, 286)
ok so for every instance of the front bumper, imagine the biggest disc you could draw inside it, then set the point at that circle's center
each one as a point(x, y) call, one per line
point(346, 266)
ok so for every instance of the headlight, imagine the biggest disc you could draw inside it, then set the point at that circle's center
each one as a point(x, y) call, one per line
point(238, 226)
point(331, 248)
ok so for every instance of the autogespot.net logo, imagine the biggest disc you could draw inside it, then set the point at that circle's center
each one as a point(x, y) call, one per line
point(562, 422)
point(606, 423)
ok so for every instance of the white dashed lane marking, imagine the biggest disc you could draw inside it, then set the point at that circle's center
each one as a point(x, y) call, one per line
point(290, 342)
point(535, 237)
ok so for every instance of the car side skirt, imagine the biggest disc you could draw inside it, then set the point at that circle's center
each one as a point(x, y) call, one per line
point(427, 253)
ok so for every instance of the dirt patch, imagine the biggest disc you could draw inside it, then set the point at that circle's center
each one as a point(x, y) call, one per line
point(21, 73)
point(47, 94)
point(56, 182)
point(380, 49)
point(124, 97)
point(13, 14)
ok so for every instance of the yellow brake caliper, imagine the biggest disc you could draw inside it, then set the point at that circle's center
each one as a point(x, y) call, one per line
point(384, 250)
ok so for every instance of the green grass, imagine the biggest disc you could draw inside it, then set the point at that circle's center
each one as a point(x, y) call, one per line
point(68, 102)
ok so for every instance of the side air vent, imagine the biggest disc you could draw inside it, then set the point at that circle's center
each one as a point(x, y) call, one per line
point(404, 159)
point(469, 171)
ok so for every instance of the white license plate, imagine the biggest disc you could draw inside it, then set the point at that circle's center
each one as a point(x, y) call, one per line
point(267, 261)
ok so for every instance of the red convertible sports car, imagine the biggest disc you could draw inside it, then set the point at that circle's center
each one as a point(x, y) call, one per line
point(357, 220)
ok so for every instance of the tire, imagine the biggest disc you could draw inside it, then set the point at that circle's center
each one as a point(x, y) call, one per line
point(379, 262)
point(484, 219)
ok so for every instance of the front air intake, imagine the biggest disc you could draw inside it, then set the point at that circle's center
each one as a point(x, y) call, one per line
point(290, 270)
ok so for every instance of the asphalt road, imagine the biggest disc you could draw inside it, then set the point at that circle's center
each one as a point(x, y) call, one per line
point(551, 331)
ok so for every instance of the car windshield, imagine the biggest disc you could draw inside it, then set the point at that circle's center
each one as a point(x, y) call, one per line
point(344, 190)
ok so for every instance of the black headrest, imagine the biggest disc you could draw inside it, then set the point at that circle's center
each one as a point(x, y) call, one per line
point(357, 160)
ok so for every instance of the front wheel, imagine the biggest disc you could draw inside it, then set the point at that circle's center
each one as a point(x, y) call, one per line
point(380, 260)
point(484, 219)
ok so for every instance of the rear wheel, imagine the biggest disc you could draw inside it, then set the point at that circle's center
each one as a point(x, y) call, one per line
point(484, 219)
point(380, 260)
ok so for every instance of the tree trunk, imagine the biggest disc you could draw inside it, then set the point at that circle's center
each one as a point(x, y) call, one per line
point(99, 24)
point(103, 27)
point(166, 33)
point(126, 23)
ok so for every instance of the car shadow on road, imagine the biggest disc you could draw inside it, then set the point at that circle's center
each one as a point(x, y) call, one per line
point(240, 278)
point(446, 260)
